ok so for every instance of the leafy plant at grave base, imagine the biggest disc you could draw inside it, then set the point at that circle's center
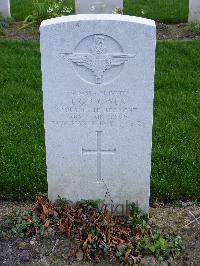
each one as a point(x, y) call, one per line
point(118, 11)
point(161, 246)
point(24, 223)
point(2, 31)
point(27, 223)
point(195, 27)
point(121, 251)
point(90, 203)
point(62, 201)
point(197, 202)
point(45, 9)
point(136, 217)
point(96, 233)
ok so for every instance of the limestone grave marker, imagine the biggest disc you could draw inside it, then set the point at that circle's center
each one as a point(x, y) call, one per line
point(98, 86)
point(5, 8)
point(98, 6)
point(194, 11)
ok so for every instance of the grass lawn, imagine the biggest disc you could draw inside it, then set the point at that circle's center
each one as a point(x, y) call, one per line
point(163, 10)
point(22, 155)
point(176, 141)
point(20, 9)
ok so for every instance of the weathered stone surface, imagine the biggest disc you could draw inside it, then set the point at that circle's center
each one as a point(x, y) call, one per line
point(98, 84)
point(194, 11)
point(98, 6)
point(5, 8)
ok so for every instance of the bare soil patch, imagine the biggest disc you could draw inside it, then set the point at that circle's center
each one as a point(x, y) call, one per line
point(53, 250)
point(18, 31)
point(180, 31)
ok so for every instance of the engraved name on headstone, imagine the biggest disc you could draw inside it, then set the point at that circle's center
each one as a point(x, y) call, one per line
point(98, 6)
point(98, 86)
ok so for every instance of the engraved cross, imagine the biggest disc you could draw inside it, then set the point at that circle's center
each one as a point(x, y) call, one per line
point(99, 151)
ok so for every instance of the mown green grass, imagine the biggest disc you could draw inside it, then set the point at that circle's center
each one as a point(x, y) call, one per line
point(176, 141)
point(20, 9)
point(176, 138)
point(163, 10)
point(22, 155)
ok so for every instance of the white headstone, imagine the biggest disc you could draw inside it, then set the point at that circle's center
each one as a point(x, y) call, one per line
point(5, 8)
point(194, 11)
point(98, 6)
point(98, 85)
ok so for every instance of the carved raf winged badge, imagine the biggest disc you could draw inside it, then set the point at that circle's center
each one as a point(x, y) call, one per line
point(99, 61)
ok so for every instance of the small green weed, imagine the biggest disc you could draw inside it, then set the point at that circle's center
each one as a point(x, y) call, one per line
point(94, 204)
point(2, 31)
point(4, 23)
point(93, 230)
point(62, 201)
point(24, 223)
point(121, 250)
point(118, 11)
point(195, 27)
point(136, 217)
point(160, 245)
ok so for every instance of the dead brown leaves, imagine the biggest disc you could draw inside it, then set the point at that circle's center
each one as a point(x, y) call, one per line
point(96, 233)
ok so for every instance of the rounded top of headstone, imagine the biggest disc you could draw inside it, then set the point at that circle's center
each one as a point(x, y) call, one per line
point(97, 17)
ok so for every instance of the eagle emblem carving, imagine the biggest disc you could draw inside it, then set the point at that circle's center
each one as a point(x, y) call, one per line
point(99, 61)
